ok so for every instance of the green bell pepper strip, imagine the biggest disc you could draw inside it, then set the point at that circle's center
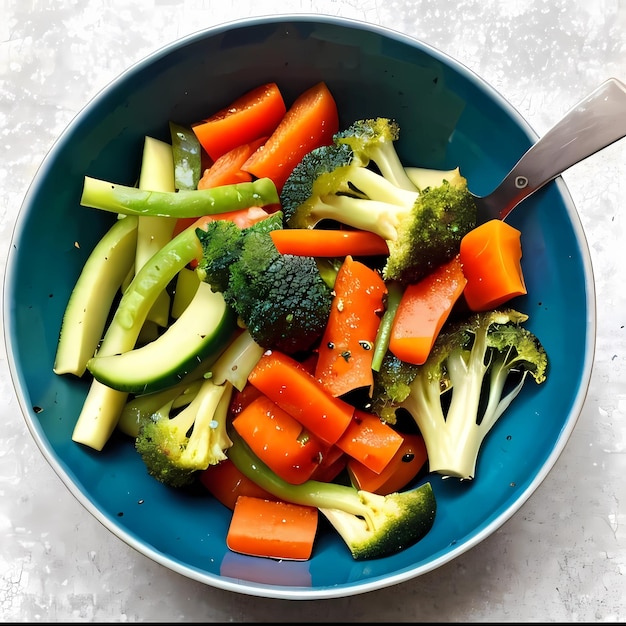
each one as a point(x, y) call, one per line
point(100, 194)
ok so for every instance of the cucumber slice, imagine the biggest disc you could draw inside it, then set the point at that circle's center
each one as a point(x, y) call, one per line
point(204, 327)
point(90, 301)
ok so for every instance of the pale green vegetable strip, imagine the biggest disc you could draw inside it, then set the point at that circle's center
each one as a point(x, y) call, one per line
point(91, 299)
point(237, 361)
point(157, 174)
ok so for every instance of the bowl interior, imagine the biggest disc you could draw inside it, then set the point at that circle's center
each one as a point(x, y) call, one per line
point(448, 117)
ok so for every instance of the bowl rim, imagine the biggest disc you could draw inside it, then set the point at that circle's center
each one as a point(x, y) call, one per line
point(248, 587)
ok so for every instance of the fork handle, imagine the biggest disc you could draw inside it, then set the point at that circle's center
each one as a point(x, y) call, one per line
point(594, 123)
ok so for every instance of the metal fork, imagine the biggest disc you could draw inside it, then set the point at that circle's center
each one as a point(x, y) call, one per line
point(594, 123)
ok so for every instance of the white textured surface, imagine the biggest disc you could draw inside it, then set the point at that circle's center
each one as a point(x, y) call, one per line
point(562, 557)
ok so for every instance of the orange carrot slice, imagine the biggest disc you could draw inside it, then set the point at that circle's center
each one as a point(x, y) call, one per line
point(290, 385)
point(226, 170)
point(346, 350)
point(279, 440)
point(272, 528)
point(370, 441)
point(491, 255)
point(424, 307)
point(405, 465)
point(310, 122)
point(328, 243)
point(255, 114)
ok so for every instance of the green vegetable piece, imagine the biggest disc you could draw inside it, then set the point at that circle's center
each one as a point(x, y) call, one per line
point(204, 328)
point(100, 194)
point(186, 150)
point(103, 404)
point(92, 297)
point(374, 140)
point(175, 448)
point(141, 408)
point(281, 299)
point(476, 368)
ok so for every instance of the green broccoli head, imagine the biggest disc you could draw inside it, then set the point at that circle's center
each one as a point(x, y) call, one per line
point(175, 448)
point(320, 173)
point(423, 228)
point(390, 523)
point(432, 235)
point(221, 244)
point(392, 385)
point(160, 446)
point(282, 299)
point(373, 140)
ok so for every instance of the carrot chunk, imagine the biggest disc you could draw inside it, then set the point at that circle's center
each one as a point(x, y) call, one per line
point(272, 528)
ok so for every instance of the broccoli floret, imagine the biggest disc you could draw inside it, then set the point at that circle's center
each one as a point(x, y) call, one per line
point(475, 370)
point(439, 219)
point(374, 140)
point(423, 228)
point(233, 365)
point(182, 430)
point(175, 448)
point(281, 299)
point(371, 525)
point(221, 246)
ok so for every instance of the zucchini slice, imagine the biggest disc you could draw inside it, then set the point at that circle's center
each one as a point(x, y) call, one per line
point(92, 297)
point(204, 327)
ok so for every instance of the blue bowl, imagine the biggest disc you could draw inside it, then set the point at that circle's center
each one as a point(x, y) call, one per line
point(449, 117)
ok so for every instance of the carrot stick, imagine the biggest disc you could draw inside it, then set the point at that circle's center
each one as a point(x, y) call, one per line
point(226, 169)
point(255, 114)
point(310, 122)
point(279, 440)
point(272, 528)
point(491, 255)
point(328, 243)
point(423, 309)
point(346, 350)
point(285, 381)
point(406, 463)
point(370, 441)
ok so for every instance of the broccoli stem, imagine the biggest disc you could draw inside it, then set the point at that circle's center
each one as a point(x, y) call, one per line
point(100, 194)
point(237, 361)
point(373, 185)
point(310, 493)
point(382, 218)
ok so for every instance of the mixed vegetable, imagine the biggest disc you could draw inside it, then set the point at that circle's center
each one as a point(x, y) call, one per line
point(288, 315)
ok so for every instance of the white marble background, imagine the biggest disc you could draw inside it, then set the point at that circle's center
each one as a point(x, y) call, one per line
point(562, 557)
